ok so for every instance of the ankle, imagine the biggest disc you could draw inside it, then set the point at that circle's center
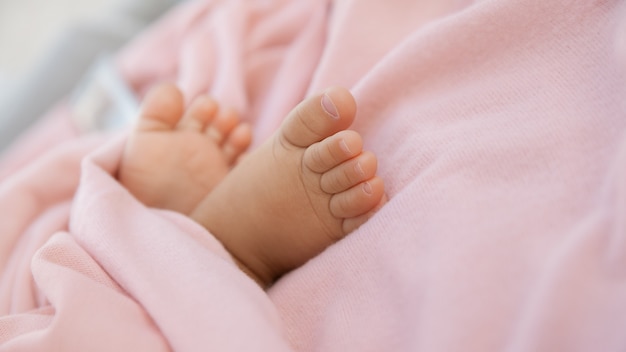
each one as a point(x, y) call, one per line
point(262, 277)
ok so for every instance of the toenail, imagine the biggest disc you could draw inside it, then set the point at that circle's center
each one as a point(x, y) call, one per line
point(215, 135)
point(344, 146)
point(359, 169)
point(367, 188)
point(329, 107)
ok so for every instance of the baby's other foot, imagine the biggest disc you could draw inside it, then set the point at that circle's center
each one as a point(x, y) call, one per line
point(304, 189)
point(174, 158)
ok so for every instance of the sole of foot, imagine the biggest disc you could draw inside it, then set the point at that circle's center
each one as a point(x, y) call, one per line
point(175, 155)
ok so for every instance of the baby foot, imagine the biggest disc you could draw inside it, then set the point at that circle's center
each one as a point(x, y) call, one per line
point(304, 189)
point(174, 158)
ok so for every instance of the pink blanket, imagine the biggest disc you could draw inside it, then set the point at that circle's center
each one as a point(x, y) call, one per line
point(500, 127)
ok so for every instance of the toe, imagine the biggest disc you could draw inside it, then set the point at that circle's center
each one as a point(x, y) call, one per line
point(351, 224)
point(199, 114)
point(237, 142)
point(222, 125)
point(161, 109)
point(332, 151)
point(350, 173)
point(318, 117)
point(357, 200)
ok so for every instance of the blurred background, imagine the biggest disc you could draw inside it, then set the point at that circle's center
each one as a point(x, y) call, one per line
point(29, 27)
point(47, 47)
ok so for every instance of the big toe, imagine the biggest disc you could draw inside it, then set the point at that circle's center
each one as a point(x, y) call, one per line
point(161, 109)
point(319, 116)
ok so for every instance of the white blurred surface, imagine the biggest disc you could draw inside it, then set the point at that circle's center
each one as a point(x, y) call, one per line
point(27, 28)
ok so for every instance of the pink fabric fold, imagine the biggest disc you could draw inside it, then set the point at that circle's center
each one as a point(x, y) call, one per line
point(501, 134)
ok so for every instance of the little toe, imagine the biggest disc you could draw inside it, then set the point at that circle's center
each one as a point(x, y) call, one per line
point(357, 200)
point(350, 173)
point(199, 114)
point(161, 109)
point(351, 224)
point(222, 125)
point(318, 117)
point(237, 142)
point(332, 151)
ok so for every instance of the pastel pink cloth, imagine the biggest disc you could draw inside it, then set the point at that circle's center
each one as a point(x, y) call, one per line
point(500, 127)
